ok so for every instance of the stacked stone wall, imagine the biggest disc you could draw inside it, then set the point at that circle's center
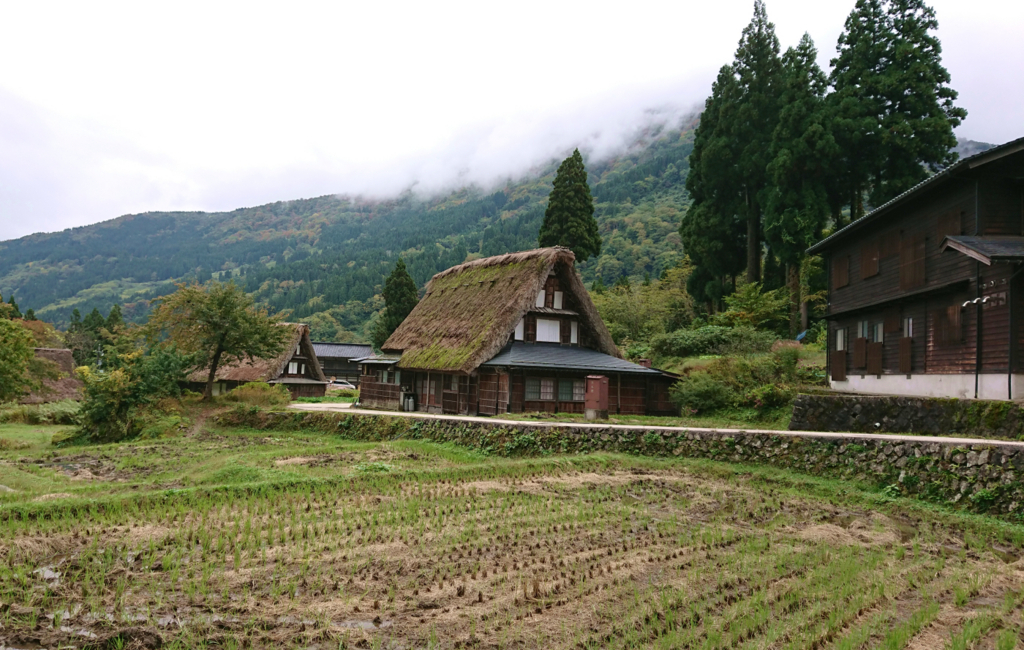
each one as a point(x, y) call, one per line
point(977, 477)
point(916, 415)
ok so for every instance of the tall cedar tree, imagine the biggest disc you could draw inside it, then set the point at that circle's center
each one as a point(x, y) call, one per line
point(114, 318)
point(400, 297)
point(803, 150)
point(713, 230)
point(217, 322)
point(758, 70)
point(894, 112)
point(569, 218)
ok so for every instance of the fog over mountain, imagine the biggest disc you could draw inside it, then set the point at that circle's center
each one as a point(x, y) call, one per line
point(112, 109)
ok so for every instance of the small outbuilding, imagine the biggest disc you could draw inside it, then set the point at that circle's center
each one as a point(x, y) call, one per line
point(339, 360)
point(297, 368)
point(508, 334)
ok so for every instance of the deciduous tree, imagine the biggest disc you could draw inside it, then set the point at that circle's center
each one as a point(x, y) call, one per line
point(218, 323)
point(16, 355)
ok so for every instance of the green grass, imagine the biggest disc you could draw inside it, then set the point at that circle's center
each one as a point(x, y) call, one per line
point(327, 399)
point(778, 419)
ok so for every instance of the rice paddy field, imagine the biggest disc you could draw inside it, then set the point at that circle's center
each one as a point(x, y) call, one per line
point(243, 539)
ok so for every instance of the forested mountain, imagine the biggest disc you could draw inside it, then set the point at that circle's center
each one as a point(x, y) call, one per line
point(323, 260)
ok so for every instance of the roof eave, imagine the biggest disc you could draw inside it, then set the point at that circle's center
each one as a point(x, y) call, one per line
point(972, 162)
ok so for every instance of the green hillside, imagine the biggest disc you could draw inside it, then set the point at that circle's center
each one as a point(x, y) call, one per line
point(323, 260)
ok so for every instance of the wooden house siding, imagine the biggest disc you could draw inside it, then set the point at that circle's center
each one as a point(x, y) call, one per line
point(915, 231)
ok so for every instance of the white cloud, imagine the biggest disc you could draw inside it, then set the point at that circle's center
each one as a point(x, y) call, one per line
point(113, 108)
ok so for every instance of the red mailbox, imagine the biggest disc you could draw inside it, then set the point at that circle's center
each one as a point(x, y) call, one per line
point(596, 406)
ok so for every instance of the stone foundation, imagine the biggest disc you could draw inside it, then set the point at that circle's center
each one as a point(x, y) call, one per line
point(917, 415)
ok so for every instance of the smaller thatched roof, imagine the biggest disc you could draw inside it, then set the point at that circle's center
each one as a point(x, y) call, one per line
point(67, 386)
point(469, 310)
point(267, 369)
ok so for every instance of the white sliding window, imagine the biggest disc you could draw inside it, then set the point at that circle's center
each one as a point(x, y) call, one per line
point(548, 331)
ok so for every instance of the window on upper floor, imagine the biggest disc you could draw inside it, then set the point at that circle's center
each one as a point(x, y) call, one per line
point(574, 332)
point(840, 340)
point(549, 330)
point(840, 271)
point(293, 367)
point(520, 330)
point(540, 298)
point(558, 300)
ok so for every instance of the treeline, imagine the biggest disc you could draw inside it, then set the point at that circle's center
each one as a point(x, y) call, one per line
point(324, 260)
point(785, 153)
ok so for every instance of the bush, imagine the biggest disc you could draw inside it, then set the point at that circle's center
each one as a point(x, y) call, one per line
point(701, 393)
point(63, 412)
point(759, 382)
point(712, 339)
point(260, 394)
point(115, 401)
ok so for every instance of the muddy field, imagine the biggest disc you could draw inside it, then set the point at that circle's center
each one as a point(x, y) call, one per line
point(410, 545)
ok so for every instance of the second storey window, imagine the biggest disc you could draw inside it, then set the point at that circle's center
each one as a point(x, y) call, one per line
point(908, 327)
point(876, 333)
point(549, 330)
point(293, 367)
point(840, 271)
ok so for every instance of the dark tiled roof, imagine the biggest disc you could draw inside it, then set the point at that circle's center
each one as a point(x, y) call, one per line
point(988, 249)
point(995, 153)
point(554, 356)
point(341, 350)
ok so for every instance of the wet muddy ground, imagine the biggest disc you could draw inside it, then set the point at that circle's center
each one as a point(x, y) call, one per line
point(411, 545)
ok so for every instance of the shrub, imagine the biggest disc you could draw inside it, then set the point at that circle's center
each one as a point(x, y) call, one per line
point(63, 412)
point(701, 393)
point(768, 396)
point(115, 400)
point(260, 394)
point(712, 339)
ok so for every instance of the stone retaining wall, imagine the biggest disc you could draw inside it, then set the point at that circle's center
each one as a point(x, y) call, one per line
point(918, 415)
point(978, 477)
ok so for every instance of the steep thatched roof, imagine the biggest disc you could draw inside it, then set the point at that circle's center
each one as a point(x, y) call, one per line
point(470, 310)
point(267, 369)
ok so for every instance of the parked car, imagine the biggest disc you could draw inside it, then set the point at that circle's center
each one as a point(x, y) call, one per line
point(341, 384)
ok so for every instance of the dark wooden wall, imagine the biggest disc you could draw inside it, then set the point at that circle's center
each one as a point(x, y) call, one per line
point(868, 283)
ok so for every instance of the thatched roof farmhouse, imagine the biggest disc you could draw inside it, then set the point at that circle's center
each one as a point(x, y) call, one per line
point(297, 367)
point(515, 332)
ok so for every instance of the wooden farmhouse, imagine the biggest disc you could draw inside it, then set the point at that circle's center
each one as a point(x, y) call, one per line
point(296, 367)
point(511, 333)
point(925, 292)
point(339, 360)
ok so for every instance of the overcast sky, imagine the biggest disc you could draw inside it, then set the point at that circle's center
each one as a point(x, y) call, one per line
point(108, 109)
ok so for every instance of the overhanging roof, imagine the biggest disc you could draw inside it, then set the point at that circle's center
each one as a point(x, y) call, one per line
point(987, 249)
point(295, 380)
point(971, 162)
point(552, 356)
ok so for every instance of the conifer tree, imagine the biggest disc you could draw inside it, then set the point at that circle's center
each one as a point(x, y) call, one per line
point(400, 296)
point(893, 108)
point(569, 218)
point(758, 71)
point(30, 314)
point(114, 318)
point(712, 230)
point(14, 311)
point(917, 128)
point(803, 150)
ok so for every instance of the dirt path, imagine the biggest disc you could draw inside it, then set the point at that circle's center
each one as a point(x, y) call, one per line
point(736, 432)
